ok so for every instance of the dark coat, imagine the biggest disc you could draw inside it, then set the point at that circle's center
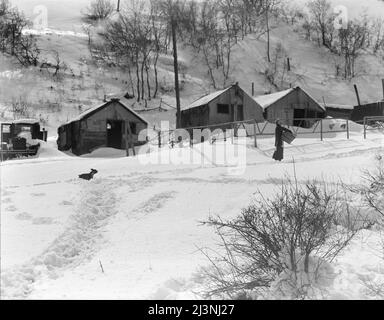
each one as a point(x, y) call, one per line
point(279, 135)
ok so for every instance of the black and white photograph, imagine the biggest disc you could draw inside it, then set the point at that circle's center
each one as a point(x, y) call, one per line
point(192, 150)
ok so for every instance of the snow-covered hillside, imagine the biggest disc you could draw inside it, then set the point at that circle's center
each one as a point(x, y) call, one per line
point(84, 84)
point(135, 231)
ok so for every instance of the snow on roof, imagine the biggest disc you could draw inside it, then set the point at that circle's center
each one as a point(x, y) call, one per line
point(266, 100)
point(123, 101)
point(22, 121)
point(205, 99)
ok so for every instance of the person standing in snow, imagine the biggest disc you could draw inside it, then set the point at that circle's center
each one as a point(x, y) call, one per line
point(279, 143)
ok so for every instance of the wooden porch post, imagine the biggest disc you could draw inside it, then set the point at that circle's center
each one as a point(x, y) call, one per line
point(132, 145)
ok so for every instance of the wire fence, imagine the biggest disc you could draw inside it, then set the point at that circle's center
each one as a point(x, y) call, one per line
point(301, 127)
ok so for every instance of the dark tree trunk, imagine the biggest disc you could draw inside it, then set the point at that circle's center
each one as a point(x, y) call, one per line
point(156, 75)
point(148, 84)
point(176, 69)
point(142, 79)
point(138, 78)
point(268, 36)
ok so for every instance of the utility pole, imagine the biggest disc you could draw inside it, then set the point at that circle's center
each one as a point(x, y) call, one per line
point(118, 5)
point(267, 25)
point(176, 69)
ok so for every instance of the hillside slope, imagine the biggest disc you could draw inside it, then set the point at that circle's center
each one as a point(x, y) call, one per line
point(85, 84)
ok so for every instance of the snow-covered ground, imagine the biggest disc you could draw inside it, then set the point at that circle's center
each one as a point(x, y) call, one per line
point(134, 232)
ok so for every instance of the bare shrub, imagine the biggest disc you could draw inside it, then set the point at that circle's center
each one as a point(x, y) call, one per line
point(54, 63)
point(20, 108)
point(98, 10)
point(286, 242)
point(372, 190)
point(371, 195)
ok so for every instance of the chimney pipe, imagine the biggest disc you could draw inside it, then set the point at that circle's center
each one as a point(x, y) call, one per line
point(357, 95)
point(382, 82)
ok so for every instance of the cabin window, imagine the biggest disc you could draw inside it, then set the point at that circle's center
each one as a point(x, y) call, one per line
point(223, 108)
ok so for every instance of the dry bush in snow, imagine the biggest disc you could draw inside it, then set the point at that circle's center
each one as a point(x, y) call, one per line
point(371, 195)
point(54, 62)
point(279, 247)
point(98, 10)
point(20, 108)
point(371, 191)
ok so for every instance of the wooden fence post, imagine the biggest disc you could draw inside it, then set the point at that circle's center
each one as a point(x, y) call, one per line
point(254, 132)
point(365, 128)
point(347, 129)
point(191, 138)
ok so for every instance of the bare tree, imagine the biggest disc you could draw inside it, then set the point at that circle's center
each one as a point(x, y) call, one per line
point(12, 39)
point(322, 20)
point(134, 42)
point(175, 14)
point(378, 35)
point(98, 10)
point(55, 64)
point(353, 40)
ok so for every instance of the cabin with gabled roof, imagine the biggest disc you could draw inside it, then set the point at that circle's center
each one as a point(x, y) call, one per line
point(221, 107)
point(290, 106)
point(105, 125)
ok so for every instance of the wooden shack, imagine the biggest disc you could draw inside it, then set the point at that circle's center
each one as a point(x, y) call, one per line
point(375, 109)
point(220, 107)
point(105, 125)
point(339, 111)
point(290, 106)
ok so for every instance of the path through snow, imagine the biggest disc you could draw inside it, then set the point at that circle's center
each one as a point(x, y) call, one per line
point(80, 240)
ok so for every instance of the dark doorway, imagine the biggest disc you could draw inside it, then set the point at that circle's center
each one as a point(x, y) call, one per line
point(114, 134)
point(299, 114)
point(240, 113)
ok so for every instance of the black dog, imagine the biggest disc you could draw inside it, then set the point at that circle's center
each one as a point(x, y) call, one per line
point(88, 176)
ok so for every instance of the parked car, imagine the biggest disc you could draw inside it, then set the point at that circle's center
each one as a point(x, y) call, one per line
point(20, 138)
